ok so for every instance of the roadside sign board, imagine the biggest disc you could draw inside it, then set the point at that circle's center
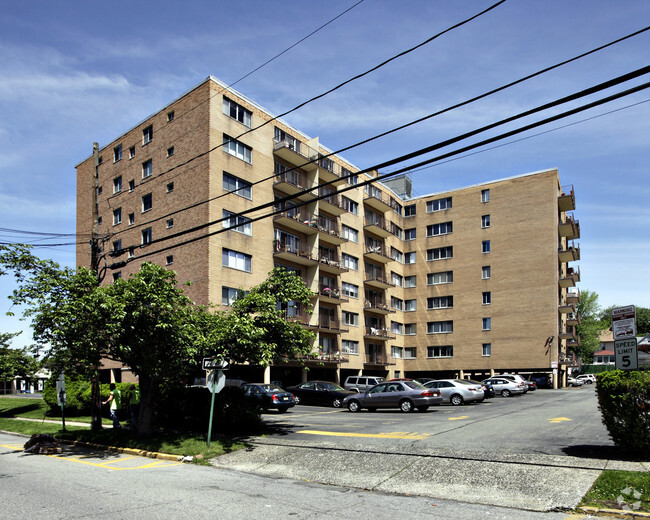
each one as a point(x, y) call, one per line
point(626, 354)
point(215, 381)
point(215, 364)
point(624, 322)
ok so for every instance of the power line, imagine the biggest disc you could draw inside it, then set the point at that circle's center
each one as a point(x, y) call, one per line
point(414, 122)
point(423, 163)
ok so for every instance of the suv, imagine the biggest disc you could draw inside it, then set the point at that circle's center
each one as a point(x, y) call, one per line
point(362, 383)
point(587, 378)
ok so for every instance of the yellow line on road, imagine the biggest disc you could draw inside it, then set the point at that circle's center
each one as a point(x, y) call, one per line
point(457, 418)
point(557, 420)
point(391, 435)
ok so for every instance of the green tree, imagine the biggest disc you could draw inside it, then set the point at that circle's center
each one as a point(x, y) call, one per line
point(590, 325)
point(15, 362)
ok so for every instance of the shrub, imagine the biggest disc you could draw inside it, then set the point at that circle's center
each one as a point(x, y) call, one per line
point(624, 401)
point(75, 390)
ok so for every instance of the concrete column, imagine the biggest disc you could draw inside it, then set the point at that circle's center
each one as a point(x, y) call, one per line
point(462, 374)
point(303, 375)
point(267, 375)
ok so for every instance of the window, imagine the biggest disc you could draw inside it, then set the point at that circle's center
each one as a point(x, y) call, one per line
point(117, 153)
point(350, 262)
point(410, 352)
point(229, 295)
point(396, 279)
point(409, 258)
point(131, 219)
point(396, 230)
point(350, 233)
point(99, 220)
point(147, 202)
point(147, 135)
point(440, 253)
point(438, 205)
point(146, 236)
point(487, 298)
point(438, 278)
point(351, 178)
point(485, 195)
point(396, 352)
point(409, 234)
point(170, 116)
point(396, 303)
point(236, 111)
point(440, 302)
point(350, 290)
point(117, 245)
point(131, 185)
point(440, 327)
point(351, 318)
point(237, 149)
point(349, 205)
point(170, 187)
point(170, 151)
point(487, 323)
point(485, 272)
point(131, 252)
point(117, 276)
point(445, 351)
point(132, 152)
point(117, 216)
point(350, 347)
point(409, 211)
point(410, 281)
point(485, 246)
point(410, 329)
point(236, 260)
point(487, 349)
point(396, 255)
point(147, 168)
point(397, 328)
point(99, 190)
point(169, 259)
point(117, 184)
point(237, 186)
point(396, 206)
point(444, 228)
point(485, 221)
point(410, 305)
point(170, 223)
point(237, 223)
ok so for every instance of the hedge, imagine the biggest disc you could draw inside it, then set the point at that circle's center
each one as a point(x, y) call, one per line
point(624, 402)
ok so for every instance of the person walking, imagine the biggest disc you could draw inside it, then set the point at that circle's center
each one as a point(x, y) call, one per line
point(115, 398)
point(134, 405)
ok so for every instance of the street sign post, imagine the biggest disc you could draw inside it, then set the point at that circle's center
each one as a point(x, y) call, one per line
point(216, 364)
point(624, 332)
point(215, 381)
point(60, 396)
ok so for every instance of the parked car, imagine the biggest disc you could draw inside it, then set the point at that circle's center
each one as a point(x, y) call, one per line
point(588, 379)
point(505, 387)
point(458, 391)
point(541, 380)
point(424, 380)
point(270, 396)
point(572, 381)
point(405, 395)
point(516, 378)
point(362, 383)
point(319, 393)
point(531, 385)
point(488, 389)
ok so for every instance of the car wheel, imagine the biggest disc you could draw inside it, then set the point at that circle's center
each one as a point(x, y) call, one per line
point(506, 393)
point(354, 405)
point(336, 403)
point(456, 399)
point(296, 399)
point(406, 405)
point(423, 408)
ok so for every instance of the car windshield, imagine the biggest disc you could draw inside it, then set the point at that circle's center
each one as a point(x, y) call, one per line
point(415, 385)
point(334, 386)
point(272, 388)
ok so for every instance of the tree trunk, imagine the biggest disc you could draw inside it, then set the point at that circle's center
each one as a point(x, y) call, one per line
point(148, 390)
point(95, 404)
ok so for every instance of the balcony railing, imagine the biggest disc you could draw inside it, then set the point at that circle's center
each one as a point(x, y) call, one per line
point(294, 178)
point(377, 358)
point(377, 332)
point(288, 248)
point(329, 323)
point(327, 225)
point(331, 292)
point(331, 197)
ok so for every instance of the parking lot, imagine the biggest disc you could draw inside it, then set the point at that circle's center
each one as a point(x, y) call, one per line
point(540, 422)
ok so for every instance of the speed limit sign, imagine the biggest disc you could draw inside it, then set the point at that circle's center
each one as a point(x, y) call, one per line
point(626, 356)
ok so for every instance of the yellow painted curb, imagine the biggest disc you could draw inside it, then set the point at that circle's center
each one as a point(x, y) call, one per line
point(615, 513)
point(129, 451)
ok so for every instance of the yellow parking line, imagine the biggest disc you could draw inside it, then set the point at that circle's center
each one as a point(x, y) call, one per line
point(12, 446)
point(391, 435)
point(457, 418)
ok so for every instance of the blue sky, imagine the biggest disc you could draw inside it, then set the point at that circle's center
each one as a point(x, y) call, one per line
point(76, 72)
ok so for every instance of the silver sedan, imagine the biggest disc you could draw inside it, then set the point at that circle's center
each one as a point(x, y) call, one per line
point(405, 395)
point(458, 391)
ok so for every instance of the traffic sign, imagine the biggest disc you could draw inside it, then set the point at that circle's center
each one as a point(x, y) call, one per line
point(624, 322)
point(216, 364)
point(626, 354)
point(215, 381)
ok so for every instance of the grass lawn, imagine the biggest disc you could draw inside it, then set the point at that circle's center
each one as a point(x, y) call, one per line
point(165, 442)
point(620, 490)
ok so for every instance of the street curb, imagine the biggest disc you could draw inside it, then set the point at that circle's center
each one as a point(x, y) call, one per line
point(615, 513)
point(128, 451)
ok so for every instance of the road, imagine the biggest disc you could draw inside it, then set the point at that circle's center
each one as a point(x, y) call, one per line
point(94, 484)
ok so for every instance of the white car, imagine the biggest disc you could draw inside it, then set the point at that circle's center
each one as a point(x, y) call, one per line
point(587, 378)
point(572, 381)
point(516, 378)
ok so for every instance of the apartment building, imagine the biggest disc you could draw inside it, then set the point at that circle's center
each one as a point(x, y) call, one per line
point(463, 283)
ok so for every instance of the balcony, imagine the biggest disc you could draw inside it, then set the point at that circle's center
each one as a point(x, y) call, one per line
point(567, 200)
point(566, 308)
point(328, 231)
point(377, 252)
point(290, 253)
point(377, 280)
point(570, 254)
point(569, 228)
point(330, 263)
point(378, 226)
point(568, 332)
point(331, 294)
point(328, 324)
point(377, 359)
point(297, 220)
point(296, 153)
point(325, 356)
point(331, 203)
point(377, 305)
point(573, 295)
point(378, 333)
point(376, 199)
point(571, 278)
point(297, 317)
point(573, 318)
point(292, 182)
